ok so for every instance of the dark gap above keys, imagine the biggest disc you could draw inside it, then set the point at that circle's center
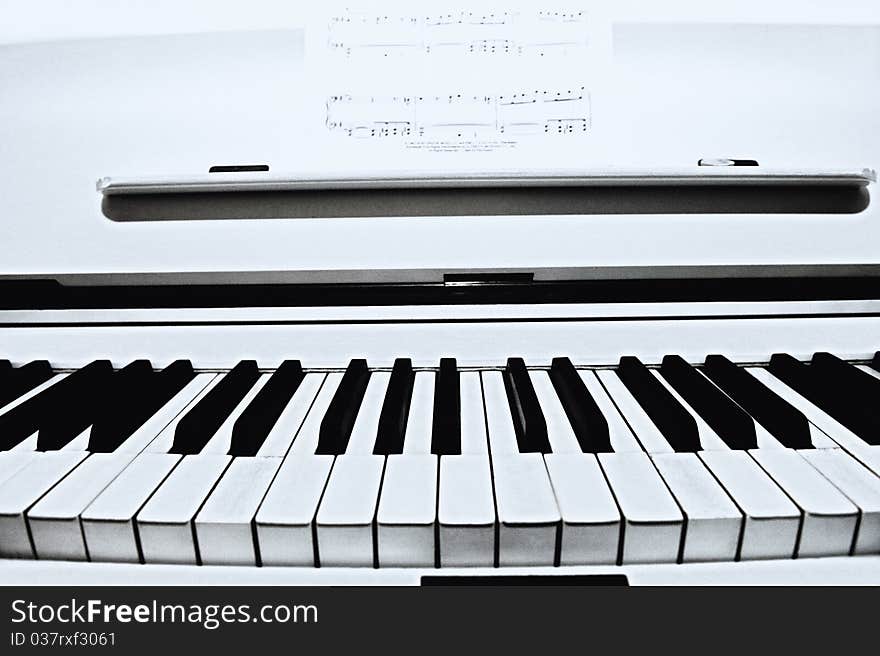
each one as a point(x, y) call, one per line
point(339, 419)
point(835, 399)
point(253, 425)
point(724, 416)
point(446, 421)
point(395, 409)
point(671, 418)
point(489, 201)
point(781, 419)
point(528, 418)
point(198, 426)
point(587, 421)
point(623, 285)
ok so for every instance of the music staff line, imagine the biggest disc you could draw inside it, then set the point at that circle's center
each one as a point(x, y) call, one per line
point(508, 33)
point(458, 18)
point(458, 116)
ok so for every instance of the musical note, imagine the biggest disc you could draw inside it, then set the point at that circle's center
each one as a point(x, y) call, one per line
point(461, 33)
point(537, 111)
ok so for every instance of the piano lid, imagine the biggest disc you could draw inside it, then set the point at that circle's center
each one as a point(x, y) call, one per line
point(794, 92)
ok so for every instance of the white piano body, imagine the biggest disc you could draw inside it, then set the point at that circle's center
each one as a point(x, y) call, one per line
point(790, 85)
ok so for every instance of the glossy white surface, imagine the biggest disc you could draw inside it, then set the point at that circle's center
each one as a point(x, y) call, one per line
point(182, 113)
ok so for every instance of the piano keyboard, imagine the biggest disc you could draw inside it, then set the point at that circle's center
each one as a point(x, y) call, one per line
point(448, 467)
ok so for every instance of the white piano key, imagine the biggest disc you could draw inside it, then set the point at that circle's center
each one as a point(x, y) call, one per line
point(54, 520)
point(559, 431)
point(473, 420)
point(860, 485)
point(23, 489)
point(713, 522)
point(344, 524)
point(591, 521)
point(407, 513)
point(466, 511)
point(620, 435)
point(366, 425)
point(868, 454)
point(709, 439)
point(528, 517)
point(290, 420)
point(108, 523)
point(306, 440)
point(420, 422)
point(165, 439)
point(819, 439)
point(652, 520)
point(771, 523)
point(221, 441)
point(164, 524)
point(12, 461)
point(646, 432)
point(829, 518)
point(224, 525)
point(285, 519)
point(499, 421)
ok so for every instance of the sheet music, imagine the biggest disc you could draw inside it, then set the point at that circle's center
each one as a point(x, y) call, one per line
point(455, 87)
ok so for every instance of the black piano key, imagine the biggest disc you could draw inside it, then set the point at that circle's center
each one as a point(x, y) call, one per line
point(781, 419)
point(528, 418)
point(72, 405)
point(134, 402)
point(173, 378)
point(725, 417)
point(23, 379)
point(198, 426)
point(875, 363)
point(827, 394)
point(586, 419)
point(395, 409)
point(854, 382)
point(337, 423)
point(253, 425)
point(5, 369)
point(671, 418)
point(446, 423)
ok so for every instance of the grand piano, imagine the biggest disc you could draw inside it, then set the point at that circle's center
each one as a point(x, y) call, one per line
point(670, 373)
